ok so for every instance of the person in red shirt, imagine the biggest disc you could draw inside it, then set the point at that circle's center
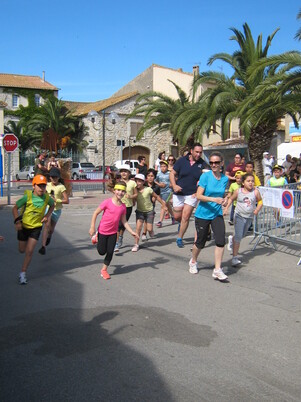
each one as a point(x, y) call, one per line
point(233, 167)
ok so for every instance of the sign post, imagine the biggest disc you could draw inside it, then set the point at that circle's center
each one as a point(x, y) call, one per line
point(10, 144)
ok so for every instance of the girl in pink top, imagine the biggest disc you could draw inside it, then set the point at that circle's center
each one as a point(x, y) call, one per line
point(113, 211)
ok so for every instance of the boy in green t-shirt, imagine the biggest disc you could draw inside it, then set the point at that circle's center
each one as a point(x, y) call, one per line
point(234, 186)
point(29, 224)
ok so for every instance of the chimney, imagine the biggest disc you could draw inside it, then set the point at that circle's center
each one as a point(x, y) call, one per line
point(196, 70)
point(43, 76)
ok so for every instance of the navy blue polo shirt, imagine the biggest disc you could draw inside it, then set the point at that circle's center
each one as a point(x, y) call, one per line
point(188, 176)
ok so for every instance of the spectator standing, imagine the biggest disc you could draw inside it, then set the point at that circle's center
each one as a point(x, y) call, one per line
point(183, 179)
point(53, 163)
point(233, 167)
point(39, 165)
point(141, 167)
point(171, 161)
point(161, 157)
point(267, 164)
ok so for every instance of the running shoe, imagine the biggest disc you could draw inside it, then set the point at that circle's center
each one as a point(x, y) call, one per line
point(230, 243)
point(218, 274)
point(152, 234)
point(105, 274)
point(42, 250)
point(235, 261)
point(22, 278)
point(167, 216)
point(143, 237)
point(116, 248)
point(159, 224)
point(179, 242)
point(193, 267)
point(94, 238)
point(135, 248)
point(231, 223)
point(120, 241)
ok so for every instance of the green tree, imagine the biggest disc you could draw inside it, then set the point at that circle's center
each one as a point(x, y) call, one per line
point(298, 34)
point(61, 126)
point(225, 98)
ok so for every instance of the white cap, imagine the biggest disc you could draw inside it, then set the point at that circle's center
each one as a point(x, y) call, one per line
point(265, 153)
point(140, 176)
point(125, 167)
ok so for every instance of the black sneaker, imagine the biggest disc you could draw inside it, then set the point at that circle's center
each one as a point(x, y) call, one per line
point(48, 240)
point(42, 250)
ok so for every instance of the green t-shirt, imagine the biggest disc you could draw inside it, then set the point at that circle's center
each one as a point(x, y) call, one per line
point(232, 188)
point(144, 201)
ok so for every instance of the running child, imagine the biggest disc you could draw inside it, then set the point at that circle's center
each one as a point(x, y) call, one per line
point(113, 210)
point(128, 200)
point(145, 209)
point(234, 186)
point(163, 182)
point(247, 197)
point(150, 182)
point(58, 192)
point(29, 224)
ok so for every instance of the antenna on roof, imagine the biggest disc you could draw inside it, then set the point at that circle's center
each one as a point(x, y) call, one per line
point(43, 75)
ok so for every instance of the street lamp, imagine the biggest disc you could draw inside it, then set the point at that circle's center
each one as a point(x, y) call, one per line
point(113, 118)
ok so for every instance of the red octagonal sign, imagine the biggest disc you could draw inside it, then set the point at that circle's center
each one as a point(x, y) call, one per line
point(10, 142)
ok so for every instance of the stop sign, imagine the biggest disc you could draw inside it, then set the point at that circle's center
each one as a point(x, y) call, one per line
point(10, 142)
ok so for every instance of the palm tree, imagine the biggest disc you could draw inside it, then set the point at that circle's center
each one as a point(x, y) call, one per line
point(223, 101)
point(158, 110)
point(25, 141)
point(56, 126)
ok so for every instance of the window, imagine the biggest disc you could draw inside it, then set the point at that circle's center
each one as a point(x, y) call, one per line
point(37, 100)
point(15, 100)
point(134, 128)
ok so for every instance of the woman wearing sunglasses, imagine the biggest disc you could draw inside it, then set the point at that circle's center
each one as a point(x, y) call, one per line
point(211, 193)
point(171, 161)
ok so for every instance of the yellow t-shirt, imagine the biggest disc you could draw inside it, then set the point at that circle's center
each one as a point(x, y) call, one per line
point(57, 193)
point(130, 186)
point(144, 202)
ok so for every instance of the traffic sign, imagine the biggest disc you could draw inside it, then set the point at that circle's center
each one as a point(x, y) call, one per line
point(10, 142)
point(287, 199)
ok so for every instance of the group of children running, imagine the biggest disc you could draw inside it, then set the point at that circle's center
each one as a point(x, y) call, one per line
point(44, 204)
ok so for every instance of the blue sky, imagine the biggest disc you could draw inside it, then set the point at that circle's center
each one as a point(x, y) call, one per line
point(90, 49)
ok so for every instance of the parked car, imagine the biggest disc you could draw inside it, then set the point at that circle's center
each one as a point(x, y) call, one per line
point(132, 163)
point(109, 169)
point(26, 173)
point(79, 170)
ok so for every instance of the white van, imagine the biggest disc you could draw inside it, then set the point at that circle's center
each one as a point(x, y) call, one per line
point(132, 163)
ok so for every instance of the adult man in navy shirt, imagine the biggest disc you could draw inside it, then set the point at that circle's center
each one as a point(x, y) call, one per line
point(183, 179)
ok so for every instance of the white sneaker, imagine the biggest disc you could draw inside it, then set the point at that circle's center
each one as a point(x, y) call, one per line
point(143, 237)
point(230, 243)
point(22, 278)
point(193, 267)
point(218, 274)
point(235, 261)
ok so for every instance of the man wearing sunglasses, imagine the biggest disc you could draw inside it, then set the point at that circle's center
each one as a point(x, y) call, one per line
point(183, 179)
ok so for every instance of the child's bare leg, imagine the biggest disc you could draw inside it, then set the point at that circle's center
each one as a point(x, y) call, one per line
point(139, 225)
point(30, 246)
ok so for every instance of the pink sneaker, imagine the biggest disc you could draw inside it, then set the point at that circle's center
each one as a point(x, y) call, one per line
point(105, 274)
point(94, 238)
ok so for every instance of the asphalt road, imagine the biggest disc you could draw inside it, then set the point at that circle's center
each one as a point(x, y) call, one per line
point(153, 332)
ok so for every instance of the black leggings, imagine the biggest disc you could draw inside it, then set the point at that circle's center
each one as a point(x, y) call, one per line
point(202, 228)
point(127, 217)
point(106, 245)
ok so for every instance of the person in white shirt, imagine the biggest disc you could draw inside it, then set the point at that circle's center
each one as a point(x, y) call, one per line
point(267, 164)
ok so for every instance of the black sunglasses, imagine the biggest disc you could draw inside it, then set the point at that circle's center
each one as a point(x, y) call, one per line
point(215, 163)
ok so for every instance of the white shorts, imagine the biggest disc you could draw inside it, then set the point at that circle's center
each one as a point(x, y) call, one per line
point(178, 201)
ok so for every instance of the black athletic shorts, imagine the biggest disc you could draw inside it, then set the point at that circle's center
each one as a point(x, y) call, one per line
point(24, 234)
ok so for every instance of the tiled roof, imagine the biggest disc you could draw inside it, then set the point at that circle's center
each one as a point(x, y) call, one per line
point(83, 108)
point(25, 81)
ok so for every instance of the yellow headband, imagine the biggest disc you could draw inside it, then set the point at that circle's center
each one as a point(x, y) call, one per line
point(120, 187)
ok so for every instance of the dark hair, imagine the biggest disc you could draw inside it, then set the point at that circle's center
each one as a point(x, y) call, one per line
point(151, 170)
point(244, 176)
point(238, 153)
point(218, 154)
point(250, 163)
point(196, 144)
point(140, 157)
point(160, 154)
point(112, 181)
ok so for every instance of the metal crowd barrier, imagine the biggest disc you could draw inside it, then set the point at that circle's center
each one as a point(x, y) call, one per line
point(272, 227)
